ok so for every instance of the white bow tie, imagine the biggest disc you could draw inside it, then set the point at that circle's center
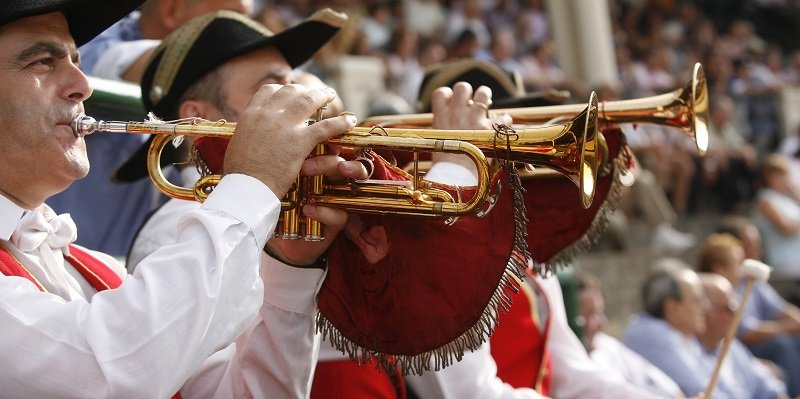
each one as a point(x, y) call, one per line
point(44, 226)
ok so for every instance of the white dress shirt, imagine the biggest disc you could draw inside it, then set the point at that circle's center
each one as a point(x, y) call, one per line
point(158, 331)
point(611, 354)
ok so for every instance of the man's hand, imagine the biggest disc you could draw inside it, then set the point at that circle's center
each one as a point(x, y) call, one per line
point(272, 138)
point(461, 108)
point(300, 252)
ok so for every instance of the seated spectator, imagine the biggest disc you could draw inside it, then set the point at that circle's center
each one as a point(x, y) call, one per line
point(669, 155)
point(665, 332)
point(730, 164)
point(741, 375)
point(611, 354)
point(540, 69)
point(122, 51)
point(744, 230)
point(770, 326)
point(777, 215)
point(647, 196)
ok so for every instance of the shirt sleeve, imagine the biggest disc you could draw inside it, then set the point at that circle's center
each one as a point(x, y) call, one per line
point(474, 377)
point(275, 357)
point(147, 337)
point(764, 304)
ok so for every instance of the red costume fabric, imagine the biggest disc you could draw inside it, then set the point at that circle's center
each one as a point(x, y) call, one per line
point(423, 281)
point(100, 276)
point(346, 379)
point(519, 342)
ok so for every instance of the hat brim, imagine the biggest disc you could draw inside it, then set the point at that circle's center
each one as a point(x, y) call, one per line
point(225, 37)
point(86, 18)
point(297, 45)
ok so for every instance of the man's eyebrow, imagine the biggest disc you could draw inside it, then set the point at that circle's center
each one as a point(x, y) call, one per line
point(43, 48)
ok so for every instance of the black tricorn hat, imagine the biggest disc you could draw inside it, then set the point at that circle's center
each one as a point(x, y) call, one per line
point(209, 41)
point(205, 43)
point(86, 18)
point(507, 87)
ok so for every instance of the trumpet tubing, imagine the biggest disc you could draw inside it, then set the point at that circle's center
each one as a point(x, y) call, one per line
point(685, 108)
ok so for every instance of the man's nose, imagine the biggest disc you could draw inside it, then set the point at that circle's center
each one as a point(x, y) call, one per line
point(77, 86)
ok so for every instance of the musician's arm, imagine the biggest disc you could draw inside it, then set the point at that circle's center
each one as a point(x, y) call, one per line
point(276, 355)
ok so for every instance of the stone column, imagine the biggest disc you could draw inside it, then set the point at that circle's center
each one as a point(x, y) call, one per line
point(582, 33)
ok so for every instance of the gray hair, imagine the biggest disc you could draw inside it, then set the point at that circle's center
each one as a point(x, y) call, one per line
point(208, 88)
point(662, 283)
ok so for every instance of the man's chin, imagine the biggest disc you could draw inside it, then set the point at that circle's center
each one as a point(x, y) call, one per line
point(77, 172)
point(83, 172)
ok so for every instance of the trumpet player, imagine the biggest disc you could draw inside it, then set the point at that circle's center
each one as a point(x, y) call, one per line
point(224, 81)
point(74, 323)
point(119, 53)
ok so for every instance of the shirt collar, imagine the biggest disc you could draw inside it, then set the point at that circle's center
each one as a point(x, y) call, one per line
point(10, 214)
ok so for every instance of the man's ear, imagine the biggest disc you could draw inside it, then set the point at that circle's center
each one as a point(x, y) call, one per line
point(169, 12)
point(194, 108)
point(670, 307)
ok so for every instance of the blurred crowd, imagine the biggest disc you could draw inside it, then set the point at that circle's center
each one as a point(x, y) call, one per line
point(657, 43)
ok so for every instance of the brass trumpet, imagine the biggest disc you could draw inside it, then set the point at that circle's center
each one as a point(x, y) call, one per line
point(685, 108)
point(570, 148)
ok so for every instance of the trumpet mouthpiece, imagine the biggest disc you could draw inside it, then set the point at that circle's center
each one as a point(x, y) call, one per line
point(83, 124)
point(756, 270)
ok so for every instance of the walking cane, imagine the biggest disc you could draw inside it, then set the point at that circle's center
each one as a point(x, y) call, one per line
point(754, 271)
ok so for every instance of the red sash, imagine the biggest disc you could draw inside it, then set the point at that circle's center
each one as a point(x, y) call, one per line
point(346, 379)
point(100, 276)
point(519, 347)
